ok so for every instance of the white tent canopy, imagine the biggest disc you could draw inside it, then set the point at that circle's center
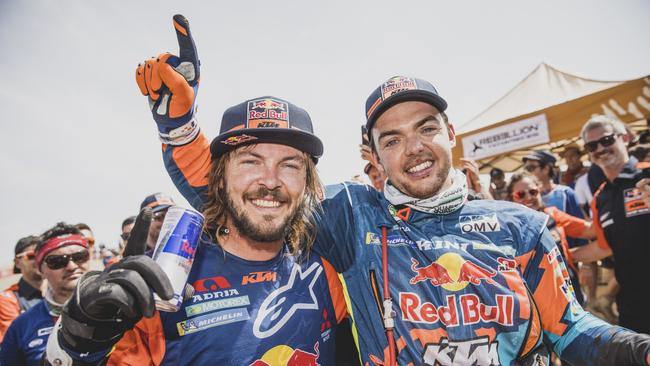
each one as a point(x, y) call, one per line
point(547, 110)
point(544, 87)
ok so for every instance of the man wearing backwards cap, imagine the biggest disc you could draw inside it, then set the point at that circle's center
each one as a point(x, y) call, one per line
point(62, 256)
point(159, 203)
point(27, 291)
point(258, 297)
point(474, 283)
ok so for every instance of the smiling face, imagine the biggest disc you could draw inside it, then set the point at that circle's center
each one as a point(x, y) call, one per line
point(413, 146)
point(527, 192)
point(609, 158)
point(265, 184)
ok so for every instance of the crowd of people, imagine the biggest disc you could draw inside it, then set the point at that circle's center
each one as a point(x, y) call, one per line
point(427, 266)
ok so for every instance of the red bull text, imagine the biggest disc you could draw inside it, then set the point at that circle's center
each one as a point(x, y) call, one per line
point(175, 251)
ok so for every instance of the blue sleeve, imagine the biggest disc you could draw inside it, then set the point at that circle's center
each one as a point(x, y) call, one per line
point(572, 205)
point(575, 335)
point(336, 230)
point(573, 209)
point(10, 350)
point(188, 166)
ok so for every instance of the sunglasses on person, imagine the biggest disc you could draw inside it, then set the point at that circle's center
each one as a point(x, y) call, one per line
point(30, 255)
point(520, 195)
point(605, 141)
point(531, 167)
point(55, 262)
point(125, 236)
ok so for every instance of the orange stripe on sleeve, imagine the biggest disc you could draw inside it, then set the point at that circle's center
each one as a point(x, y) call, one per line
point(600, 234)
point(194, 161)
point(336, 291)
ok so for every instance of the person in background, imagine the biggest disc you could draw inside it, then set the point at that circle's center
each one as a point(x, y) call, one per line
point(62, 256)
point(524, 188)
point(477, 191)
point(575, 167)
point(25, 293)
point(621, 217)
point(541, 164)
point(158, 203)
point(641, 152)
point(498, 184)
point(127, 226)
point(377, 177)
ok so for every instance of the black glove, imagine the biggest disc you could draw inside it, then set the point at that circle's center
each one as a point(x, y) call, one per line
point(106, 304)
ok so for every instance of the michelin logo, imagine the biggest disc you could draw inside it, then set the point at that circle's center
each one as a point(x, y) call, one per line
point(479, 223)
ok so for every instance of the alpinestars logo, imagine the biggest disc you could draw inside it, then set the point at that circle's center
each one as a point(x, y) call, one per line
point(479, 352)
point(280, 305)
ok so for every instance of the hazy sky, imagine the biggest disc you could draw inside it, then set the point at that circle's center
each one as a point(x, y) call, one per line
point(78, 141)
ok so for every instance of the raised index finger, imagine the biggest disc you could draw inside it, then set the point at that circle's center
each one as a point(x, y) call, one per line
point(137, 243)
point(185, 41)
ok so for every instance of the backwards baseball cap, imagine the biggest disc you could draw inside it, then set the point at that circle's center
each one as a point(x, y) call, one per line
point(266, 120)
point(543, 156)
point(22, 244)
point(400, 89)
point(157, 202)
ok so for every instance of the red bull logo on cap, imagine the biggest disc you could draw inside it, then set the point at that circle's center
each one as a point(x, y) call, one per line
point(268, 113)
point(284, 355)
point(452, 272)
point(397, 84)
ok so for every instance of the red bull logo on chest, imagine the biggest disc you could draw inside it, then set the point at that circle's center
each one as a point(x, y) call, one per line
point(452, 272)
point(283, 355)
point(462, 310)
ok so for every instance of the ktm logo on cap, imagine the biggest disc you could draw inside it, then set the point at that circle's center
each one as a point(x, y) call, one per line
point(239, 139)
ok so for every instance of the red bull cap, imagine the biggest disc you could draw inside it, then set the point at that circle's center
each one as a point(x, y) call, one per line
point(400, 89)
point(266, 120)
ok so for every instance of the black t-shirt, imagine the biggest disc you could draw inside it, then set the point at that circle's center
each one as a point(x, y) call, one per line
point(625, 222)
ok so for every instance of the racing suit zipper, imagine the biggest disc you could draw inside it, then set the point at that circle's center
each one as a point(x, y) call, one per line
point(389, 314)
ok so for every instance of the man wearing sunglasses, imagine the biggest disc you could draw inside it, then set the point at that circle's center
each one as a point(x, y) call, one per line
point(159, 203)
point(24, 294)
point(62, 256)
point(621, 217)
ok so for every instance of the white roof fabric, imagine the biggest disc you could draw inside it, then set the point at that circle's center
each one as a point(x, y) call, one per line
point(544, 87)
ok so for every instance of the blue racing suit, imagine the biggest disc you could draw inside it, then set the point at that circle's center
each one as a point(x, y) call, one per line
point(484, 285)
point(24, 343)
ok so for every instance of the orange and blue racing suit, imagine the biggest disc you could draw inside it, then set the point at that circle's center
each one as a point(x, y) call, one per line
point(483, 285)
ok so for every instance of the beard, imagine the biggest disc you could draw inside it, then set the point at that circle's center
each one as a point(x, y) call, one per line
point(265, 231)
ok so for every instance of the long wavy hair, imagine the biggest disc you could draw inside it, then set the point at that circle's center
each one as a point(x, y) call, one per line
point(302, 228)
